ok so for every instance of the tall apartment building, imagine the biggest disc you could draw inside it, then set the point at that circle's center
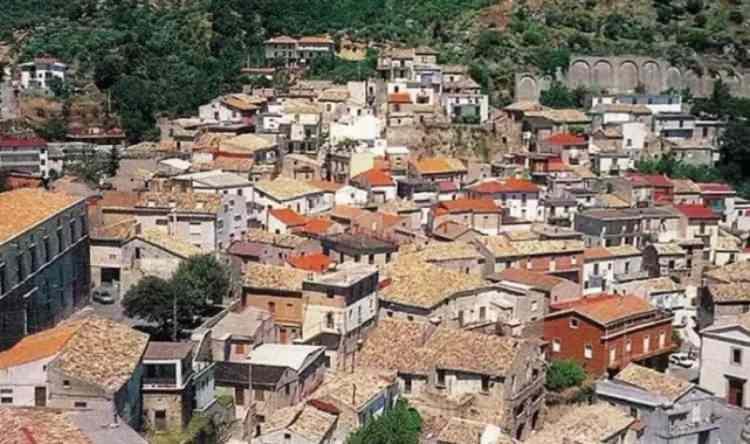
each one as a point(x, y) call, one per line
point(44, 261)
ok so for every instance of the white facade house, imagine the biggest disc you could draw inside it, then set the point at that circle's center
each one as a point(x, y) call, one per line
point(39, 73)
point(455, 104)
point(284, 192)
point(365, 128)
point(725, 360)
point(351, 196)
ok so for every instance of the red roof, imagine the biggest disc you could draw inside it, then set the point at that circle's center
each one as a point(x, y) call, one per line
point(714, 187)
point(317, 262)
point(13, 142)
point(318, 227)
point(510, 185)
point(402, 98)
point(466, 205)
point(565, 139)
point(375, 177)
point(654, 180)
point(604, 308)
point(555, 164)
point(693, 211)
point(288, 217)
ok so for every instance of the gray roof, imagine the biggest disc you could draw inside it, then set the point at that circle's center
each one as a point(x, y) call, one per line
point(224, 180)
point(97, 426)
point(167, 350)
point(245, 323)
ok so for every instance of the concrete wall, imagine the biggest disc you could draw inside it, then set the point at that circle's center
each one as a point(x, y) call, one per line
point(716, 363)
point(22, 380)
point(625, 73)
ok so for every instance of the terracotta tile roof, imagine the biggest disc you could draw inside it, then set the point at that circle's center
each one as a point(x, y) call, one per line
point(621, 108)
point(23, 208)
point(441, 251)
point(669, 249)
point(375, 178)
point(325, 185)
point(596, 253)
point(159, 350)
point(301, 419)
point(610, 252)
point(693, 211)
point(416, 283)
point(566, 139)
point(500, 246)
point(245, 144)
point(347, 212)
point(584, 424)
point(315, 227)
point(510, 185)
point(731, 292)
point(317, 262)
point(439, 165)
point(282, 39)
point(316, 39)
point(685, 186)
point(121, 230)
point(531, 278)
point(244, 102)
point(370, 383)
point(38, 346)
point(654, 180)
point(524, 106)
point(397, 205)
point(284, 188)
point(400, 98)
point(281, 240)
point(465, 205)
point(334, 95)
point(169, 243)
point(451, 230)
point(560, 115)
point(555, 164)
point(36, 425)
point(606, 308)
point(653, 381)
point(734, 272)
point(465, 431)
point(102, 353)
point(288, 217)
point(715, 187)
point(275, 277)
point(417, 347)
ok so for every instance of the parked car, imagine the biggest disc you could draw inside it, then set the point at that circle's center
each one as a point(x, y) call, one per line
point(682, 359)
point(104, 294)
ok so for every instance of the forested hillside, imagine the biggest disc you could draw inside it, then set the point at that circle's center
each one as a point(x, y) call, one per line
point(168, 56)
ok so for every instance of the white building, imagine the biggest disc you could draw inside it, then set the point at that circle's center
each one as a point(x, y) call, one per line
point(283, 192)
point(37, 74)
point(725, 360)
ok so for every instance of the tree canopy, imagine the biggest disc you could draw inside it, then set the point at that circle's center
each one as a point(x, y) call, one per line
point(563, 374)
point(399, 425)
point(203, 278)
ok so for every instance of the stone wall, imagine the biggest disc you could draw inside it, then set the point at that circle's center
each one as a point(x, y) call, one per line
point(623, 74)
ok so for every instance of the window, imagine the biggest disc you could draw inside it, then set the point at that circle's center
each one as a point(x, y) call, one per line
point(3, 283)
point(646, 344)
point(329, 320)
point(556, 345)
point(534, 305)
point(260, 395)
point(34, 259)
point(588, 351)
point(662, 339)
point(137, 253)
point(20, 274)
point(47, 250)
point(72, 226)
point(482, 313)
point(407, 384)
point(287, 437)
point(6, 399)
point(573, 323)
point(736, 356)
point(79, 405)
point(287, 389)
point(441, 378)
point(628, 345)
point(239, 348)
point(66, 384)
point(612, 355)
point(485, 384)
point(272, 307)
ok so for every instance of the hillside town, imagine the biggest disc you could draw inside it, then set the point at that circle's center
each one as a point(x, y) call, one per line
point(297, 264)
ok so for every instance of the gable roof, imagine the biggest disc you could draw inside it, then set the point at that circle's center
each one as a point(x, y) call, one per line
point(588, 424)
point(509, 185)
point(606, 308)
point(565, 139)
point(29, 207)
point(374, 177)
point(296, 357)
point(34, 425)
point(288, 217)
point(274, 277)
point(170, 244)
point(317, 262)
point(464, 205)
point(284, 188)
point(439, 165)
point(304, 420)
point(103, 353)
point(693, 211)
point(531, 278)
point(38, 346)
point(653, 381)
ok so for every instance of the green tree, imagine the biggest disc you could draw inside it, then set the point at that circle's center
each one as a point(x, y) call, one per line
point(53, 130)
point(113, 161)
point(563, 374)
point(734, 146)
point(158, 301)
point(558, 96)
point(400, 425)
point(59, 88)
point(203, 278)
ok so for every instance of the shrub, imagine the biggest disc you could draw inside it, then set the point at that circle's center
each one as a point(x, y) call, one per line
point(736, 17)
point(563, 374)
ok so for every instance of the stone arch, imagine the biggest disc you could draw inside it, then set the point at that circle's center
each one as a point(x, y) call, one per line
point(527, 88)
point(627, 76)
point(603, 74)
point(651, 77)
point(693, 82)
point(579, 74)
point(675, 79)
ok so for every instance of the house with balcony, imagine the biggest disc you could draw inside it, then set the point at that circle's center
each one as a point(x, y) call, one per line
point(439, 169)
point(175, 385)
point(340, 307)
point(480, 214)
point(698, 222)
point(606, 332)
point(298, 50)
point(609, 227)
point(668, 408)
point(441, 369)
point(38, 73)
point(606, 267)
point(673, 125)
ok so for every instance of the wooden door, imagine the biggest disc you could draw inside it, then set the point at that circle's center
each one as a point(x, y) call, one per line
point(735, 391)
point(40, 396)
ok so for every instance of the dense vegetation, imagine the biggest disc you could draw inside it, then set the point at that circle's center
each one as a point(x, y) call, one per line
point(564, 374)
point(400, 425)
point(169, 56)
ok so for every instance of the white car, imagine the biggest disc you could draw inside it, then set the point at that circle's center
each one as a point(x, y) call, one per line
point(682, 359)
